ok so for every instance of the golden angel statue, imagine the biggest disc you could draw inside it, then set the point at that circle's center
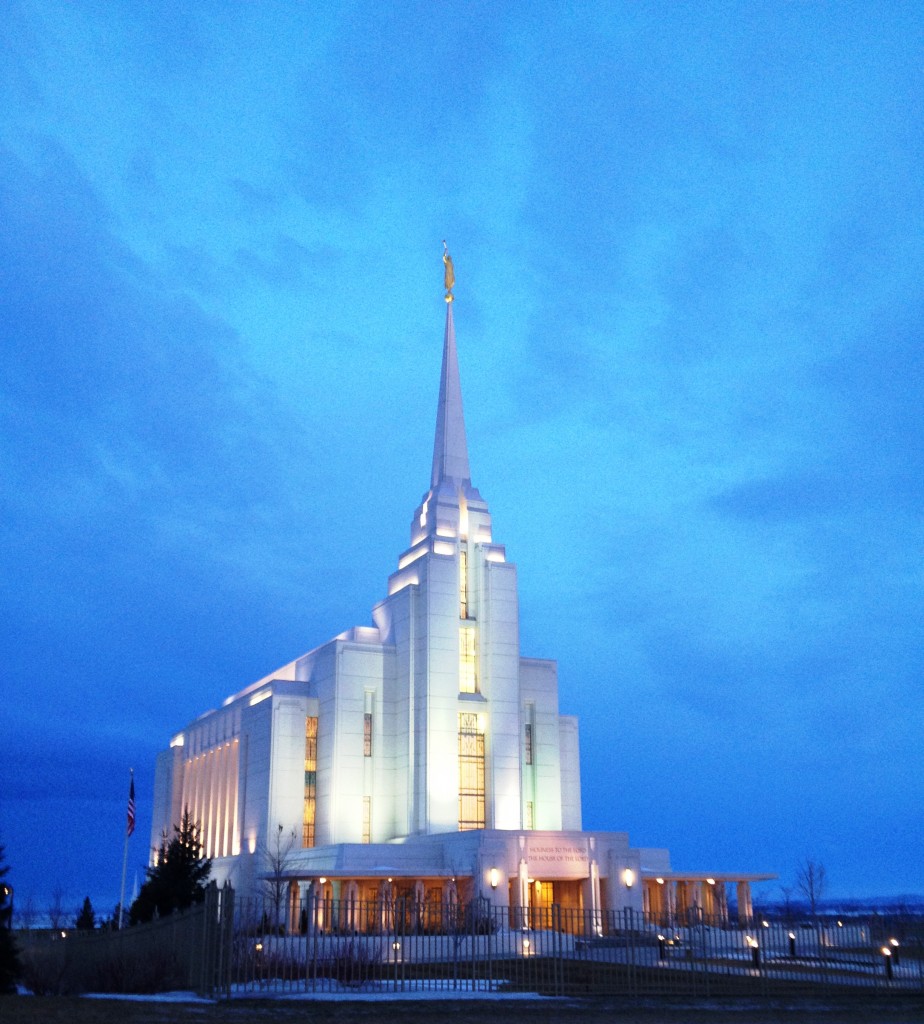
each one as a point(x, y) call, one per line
point(449, 275)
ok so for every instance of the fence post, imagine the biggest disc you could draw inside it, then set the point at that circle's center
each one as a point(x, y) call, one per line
point(398, 942)
point(226, 939)
point(557, 965)
point(474, 910)
point(206, 970)
point(200, 955)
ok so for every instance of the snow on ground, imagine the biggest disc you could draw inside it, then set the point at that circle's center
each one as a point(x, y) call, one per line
point(343, 993)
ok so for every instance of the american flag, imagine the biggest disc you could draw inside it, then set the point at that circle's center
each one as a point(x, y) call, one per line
point(130, 827)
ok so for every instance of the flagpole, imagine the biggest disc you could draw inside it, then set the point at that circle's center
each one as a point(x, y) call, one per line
point(129, 828)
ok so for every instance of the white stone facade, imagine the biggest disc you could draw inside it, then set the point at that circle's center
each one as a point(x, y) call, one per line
point(440, 751)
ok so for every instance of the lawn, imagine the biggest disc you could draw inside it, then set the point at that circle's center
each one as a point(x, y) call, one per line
point(74, 1010)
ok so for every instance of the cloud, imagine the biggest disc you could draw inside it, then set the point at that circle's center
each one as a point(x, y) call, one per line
point(783, 498)
point(689, 260)
point(142, 445)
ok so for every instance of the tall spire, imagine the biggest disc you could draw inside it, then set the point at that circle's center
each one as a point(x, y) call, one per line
point(452, 507)
point(450, 449)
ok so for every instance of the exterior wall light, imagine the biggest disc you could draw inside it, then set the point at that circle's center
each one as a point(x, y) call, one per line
point(495, 877)
point(323, 881)
point(628, 876)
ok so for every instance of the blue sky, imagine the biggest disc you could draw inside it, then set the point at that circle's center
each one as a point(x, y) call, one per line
point(689, 249)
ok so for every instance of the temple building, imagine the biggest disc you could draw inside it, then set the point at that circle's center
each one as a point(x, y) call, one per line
point(422, 754)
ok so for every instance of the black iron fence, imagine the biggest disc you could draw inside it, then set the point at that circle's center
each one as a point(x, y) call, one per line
point(402, 945)
point(242, 945)
point(188, 950)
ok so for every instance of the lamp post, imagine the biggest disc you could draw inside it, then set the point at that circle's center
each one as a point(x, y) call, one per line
point(628, 880)
point(8, 913)
point(887, 958)
point(491, 904)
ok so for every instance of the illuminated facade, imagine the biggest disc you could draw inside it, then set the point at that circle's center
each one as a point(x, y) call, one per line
point(423, 751)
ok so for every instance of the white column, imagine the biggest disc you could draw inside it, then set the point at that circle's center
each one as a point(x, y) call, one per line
point(745, 910)
point(522, 916)
point(595, 904)
point(696, 902)
point(671, 894)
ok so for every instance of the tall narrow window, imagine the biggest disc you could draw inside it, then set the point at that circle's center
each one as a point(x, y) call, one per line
point(367, 734)
point(471, 773)
point(529, 814)
point(528, 743)
point(311, 780)
point(468, 669)
point(367, 819)
point(463, 583)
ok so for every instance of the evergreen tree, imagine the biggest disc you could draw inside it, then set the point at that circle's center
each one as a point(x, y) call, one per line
point(86, 919)
point(10, 968)
point(111, 923)
point(179, 875)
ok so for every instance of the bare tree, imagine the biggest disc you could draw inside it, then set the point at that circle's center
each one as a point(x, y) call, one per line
point(811, 882)
point(786, 892)
point(27, 913)
point(274, 883)
point(56, 910)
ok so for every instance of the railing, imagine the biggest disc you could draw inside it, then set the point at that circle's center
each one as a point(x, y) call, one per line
point(187, 950)
point(402, 945)
point(231, 944)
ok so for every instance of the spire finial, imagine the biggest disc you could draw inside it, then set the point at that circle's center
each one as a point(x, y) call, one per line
point(450, 451)
point(449, 274)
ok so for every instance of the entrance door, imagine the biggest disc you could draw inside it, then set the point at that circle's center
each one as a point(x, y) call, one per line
point(541, 898)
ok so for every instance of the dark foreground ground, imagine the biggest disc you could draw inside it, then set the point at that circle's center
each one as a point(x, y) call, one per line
point(72, 1010)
